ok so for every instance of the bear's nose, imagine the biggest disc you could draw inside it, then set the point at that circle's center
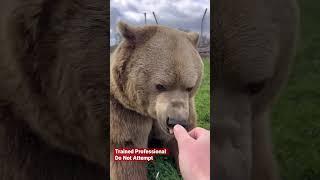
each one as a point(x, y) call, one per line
point(171, 122)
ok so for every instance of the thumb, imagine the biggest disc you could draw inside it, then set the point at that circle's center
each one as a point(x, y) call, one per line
point(181, 135)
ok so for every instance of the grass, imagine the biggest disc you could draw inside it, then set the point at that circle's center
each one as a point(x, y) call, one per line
point(296, 116)
point(203, 98)
point(164, 166)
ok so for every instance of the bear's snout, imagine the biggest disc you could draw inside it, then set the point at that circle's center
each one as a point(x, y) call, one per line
point(172, 107)
point(171, 122)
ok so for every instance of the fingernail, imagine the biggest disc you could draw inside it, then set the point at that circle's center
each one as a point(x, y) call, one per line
point(177, 127)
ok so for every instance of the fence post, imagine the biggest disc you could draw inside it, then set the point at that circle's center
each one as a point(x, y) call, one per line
point(145, 18)
point(154, 15)
point(202, 27)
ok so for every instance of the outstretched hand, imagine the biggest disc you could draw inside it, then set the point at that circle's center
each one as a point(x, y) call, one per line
point(194, 152)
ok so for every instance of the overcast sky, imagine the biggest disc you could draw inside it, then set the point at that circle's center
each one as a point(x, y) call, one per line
point(186, 14)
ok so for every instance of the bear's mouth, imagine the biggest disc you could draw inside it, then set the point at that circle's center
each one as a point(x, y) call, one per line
point(170, 130)
point(172, 122)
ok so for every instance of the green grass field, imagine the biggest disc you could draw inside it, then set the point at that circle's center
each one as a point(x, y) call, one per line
point(296, 116)
point(203, 98)
point(164, 166)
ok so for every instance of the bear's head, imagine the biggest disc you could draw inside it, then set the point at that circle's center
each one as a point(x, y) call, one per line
point(53, 75)
point(156, 72)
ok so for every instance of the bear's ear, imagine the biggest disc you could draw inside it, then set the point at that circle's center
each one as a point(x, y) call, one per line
point(136, 34)
point(126, 31)
point(193, 37)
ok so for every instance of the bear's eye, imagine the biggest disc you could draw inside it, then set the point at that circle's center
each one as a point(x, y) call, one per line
point(160, 87)
point(189, 89)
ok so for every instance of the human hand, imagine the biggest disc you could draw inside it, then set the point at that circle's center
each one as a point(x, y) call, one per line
point(194, 152)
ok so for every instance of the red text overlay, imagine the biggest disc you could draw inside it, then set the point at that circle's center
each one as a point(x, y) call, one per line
point(138, 154)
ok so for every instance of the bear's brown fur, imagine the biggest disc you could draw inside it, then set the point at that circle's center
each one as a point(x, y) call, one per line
point(155, 73)
point(254, 45)
point(53, 90)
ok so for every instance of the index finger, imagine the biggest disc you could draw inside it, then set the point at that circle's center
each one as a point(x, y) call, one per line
point(181, 135)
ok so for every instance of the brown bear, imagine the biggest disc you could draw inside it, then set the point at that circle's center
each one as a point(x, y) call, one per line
point(155, 73)
point(255, 43)
point(53, 90)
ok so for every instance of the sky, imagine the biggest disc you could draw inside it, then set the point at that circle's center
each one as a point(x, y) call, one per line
point(186, 14)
